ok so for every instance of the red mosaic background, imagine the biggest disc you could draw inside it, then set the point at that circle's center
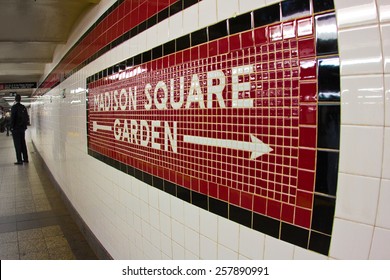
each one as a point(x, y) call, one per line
point(284, 116)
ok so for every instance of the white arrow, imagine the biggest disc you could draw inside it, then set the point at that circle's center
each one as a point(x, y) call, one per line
point(256, 146)
point(97, 126)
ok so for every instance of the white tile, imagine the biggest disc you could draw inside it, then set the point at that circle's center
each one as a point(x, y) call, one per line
point(209, 225)
point(192, 241)
point(276, 249)
point(162, 32)
point(380, 249)
point(269, 2)
point(178, 251)
point(228, 233)
point(350, 240)
point(362, 99)
point(190, 19)
point(249, 5)
point(208, 249)
point(357, 12)
point(177, 209)
point(251, 243)
point(384, 10)
point(385, 34)
point(154, 215)
point(357, 198)
point(176, 26)
point(165, 224)
point(153, 197)
point(191, 217)
point(387, 100)
point(386, 155)
point(383, 217)
point(361, 150)
point(359, 51)
point(226, 253)
point(303, 254)
point(227, 9)
point(207, 13)
point(178, 233)
point(164, 203)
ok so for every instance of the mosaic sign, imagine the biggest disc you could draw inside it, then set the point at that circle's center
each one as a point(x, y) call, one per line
point(230, 118)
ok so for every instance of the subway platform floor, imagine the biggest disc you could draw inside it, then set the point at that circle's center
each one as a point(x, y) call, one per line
point(34, 222)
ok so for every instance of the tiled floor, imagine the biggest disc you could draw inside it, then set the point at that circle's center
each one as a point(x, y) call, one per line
point(34, 223)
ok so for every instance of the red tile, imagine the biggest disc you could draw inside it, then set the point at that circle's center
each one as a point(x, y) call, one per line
point(308, 114)
point(288, 213)
point(306, 180)
point(259, 204)
point(234, 197)
point(306, 47)
point(223, 45)
point(302, 217)
point(260, 35)
point(308, 137)
point(304, 199)
point(274, 208)
point(307, 159)
point(247, 39)
point(308, 69)
point(308, 92)
point(247, 200)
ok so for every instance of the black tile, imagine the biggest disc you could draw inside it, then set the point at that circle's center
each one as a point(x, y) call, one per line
point(319, 243)
point(199, 37)
point(240, 215)
point(200, 200)
point(130, 170)
point(266, 225)
point(164, 14)
point(134, 32)
point(175, 8)
point(329, 79)
point(157, 52)
point(169, 47)
point(218, 207)
point(183, 193)
point(148, 179)
point(158, 183)
point(130, 62)
point(322, 5)
point(138, 174)
point(151, 21)
point(295, 8)
point(295, 235)
point(328, 126)
point(323, 214)
point(146, 56)
point(267, 15)
point(183, 42)
point(189, 3)
point(240, 23)
point(326, 34)
point(327, 172)
point(138, 59)
point(170, 188)
point(141, 27)
point(218, 30)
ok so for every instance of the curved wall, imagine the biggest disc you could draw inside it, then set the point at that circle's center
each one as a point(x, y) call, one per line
point(315, 75)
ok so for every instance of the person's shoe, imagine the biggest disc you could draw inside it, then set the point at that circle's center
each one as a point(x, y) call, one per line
point(25, 161)
point(18, 162)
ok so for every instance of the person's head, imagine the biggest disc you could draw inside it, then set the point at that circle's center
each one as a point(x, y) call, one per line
point(18, 98)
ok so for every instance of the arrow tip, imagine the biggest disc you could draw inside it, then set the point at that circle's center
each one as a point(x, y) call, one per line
point(260, 147)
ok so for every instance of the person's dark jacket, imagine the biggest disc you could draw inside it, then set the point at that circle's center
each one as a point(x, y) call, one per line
point(16, 120)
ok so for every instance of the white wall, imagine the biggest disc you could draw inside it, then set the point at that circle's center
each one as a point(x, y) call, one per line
point(135, 221)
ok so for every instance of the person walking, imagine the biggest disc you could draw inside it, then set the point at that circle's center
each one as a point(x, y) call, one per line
point(7, 121)
point(18, 125)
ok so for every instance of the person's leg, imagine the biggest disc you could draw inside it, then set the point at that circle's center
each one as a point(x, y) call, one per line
point(24, 146)
point(18, 146)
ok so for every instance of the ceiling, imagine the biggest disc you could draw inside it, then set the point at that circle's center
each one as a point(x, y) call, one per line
point(30, 31)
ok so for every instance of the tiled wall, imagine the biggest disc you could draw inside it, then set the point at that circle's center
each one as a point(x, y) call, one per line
point(321, 190)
